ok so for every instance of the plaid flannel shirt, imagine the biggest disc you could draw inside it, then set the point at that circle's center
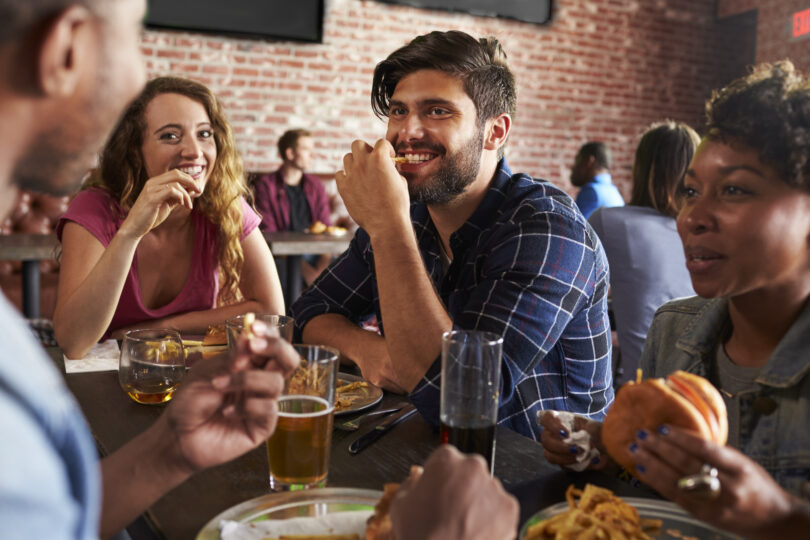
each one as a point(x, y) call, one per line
point(526, 266)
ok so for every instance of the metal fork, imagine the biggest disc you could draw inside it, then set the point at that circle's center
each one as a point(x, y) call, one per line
point(354, 423)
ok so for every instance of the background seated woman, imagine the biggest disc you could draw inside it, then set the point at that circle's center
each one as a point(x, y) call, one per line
point(161, 235)
point(647, 265)
point(745, 227)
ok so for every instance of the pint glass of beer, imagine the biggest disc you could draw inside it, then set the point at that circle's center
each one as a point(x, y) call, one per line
point(471, 376)
point(151, 365)
point(298, 451)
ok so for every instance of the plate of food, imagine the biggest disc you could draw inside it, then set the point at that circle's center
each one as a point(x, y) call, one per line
point(595, 512)
point(327, 514)
point(322, 228)
point(355, 394)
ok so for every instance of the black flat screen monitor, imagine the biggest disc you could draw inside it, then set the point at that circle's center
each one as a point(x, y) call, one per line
point(296, 20)
point(533, 11)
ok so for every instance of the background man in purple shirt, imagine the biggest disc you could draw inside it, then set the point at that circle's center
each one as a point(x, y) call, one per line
point(291, 200)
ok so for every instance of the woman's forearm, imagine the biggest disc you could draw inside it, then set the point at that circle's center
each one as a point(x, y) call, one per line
point(85, 307)
point(197, 322)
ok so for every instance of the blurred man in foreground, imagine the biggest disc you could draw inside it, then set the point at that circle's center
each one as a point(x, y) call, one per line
point(68, 68)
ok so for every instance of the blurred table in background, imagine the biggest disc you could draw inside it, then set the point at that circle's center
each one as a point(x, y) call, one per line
point(30, 249)
point(289, 247)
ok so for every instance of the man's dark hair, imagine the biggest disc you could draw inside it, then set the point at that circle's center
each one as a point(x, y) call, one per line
point(18, 16)
point(769, 111)
point(289, 140)
point(602, 157)
point(480, 64)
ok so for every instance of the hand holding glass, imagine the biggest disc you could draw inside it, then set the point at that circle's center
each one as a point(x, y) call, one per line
point(298, 451)
point(471, 376)
point(151, 365)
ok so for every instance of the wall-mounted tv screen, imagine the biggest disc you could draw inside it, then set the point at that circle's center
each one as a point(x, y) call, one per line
point(296, 20)
point(533, 11)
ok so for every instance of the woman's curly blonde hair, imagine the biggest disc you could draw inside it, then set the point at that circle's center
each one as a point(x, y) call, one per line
point(122, 173)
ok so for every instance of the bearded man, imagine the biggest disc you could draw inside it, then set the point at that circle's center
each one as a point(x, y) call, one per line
point(452, 239)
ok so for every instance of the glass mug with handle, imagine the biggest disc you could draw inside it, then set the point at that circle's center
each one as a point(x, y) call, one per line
point(298, 450)
point(151, 365)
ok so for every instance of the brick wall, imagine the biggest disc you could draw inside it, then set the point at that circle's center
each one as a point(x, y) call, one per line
point(774, 28)
point(601, 69)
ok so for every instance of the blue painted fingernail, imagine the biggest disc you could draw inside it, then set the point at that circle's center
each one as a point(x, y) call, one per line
point(641, 434)
point(640, 468)
point(633, 448)
point(663, 430)
point(563, 433)
point(573, 449)
point(595, 460)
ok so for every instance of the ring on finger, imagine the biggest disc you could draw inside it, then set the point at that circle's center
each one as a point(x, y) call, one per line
point(704, 485)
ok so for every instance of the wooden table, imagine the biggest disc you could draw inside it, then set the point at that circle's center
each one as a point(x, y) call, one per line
point(115, 419)
point(289, 247)
point(30, 249)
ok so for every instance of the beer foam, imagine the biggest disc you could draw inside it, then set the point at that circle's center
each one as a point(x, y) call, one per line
point(320, 400)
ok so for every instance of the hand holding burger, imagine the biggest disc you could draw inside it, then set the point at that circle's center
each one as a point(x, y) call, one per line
point(681, 399)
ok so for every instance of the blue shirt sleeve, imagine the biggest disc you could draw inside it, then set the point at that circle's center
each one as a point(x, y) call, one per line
point(345, 287)
point(587, 200)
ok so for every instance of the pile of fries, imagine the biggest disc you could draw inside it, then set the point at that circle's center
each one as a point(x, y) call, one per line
point(599, 514)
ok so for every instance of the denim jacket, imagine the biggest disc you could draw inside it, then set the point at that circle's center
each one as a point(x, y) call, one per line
point(774, 419)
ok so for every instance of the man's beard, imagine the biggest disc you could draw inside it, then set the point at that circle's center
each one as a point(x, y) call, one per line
point(52, 168)
point(458, 171)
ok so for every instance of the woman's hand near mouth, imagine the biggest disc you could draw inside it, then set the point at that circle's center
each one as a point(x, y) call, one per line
point(159, 196)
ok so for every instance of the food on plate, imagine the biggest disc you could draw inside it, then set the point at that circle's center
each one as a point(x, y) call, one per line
point(215, 335)
point(334, 230)
point(599, 513)
point(317, 227)
point(348, 393)
point(681, 399)
point(378, 526)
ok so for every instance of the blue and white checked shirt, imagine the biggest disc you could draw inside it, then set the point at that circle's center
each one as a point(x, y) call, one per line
point(527, 266)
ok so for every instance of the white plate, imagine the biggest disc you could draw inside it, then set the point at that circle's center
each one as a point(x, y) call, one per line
point(674, 518)
point(312, 503)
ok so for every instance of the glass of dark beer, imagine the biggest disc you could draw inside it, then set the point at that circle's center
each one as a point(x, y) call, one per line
point(298, 450)
point(471, 376)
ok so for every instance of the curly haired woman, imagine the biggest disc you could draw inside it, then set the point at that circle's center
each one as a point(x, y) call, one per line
point(161, 235)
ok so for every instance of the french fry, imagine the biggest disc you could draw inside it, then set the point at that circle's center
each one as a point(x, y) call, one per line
point(598, 514)
point(247, 325)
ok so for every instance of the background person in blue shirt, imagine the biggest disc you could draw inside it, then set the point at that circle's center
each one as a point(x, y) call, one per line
point(591, 173)
point(454, 239)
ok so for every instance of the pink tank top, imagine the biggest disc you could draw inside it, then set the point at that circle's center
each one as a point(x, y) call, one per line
point(97, 212)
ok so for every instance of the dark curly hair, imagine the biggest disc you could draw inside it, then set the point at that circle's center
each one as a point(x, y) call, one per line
point(769, 111)
point(480, 64)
